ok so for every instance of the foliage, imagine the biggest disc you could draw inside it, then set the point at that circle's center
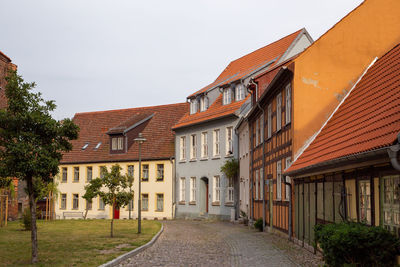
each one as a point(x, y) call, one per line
point(243, 214)
point(32, 141)
point(7, 185)
point(111, 188)
point(230, 168)
point(259, 224)
point(26, 220)
point(356, 244)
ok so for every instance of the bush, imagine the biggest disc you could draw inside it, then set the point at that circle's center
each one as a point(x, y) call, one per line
point(26, 220)
point(259, 224)
point(356, 244)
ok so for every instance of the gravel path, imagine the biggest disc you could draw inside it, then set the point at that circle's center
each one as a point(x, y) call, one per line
point(200, 243)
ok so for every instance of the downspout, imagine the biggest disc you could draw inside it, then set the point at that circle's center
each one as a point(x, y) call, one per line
point(251, 217)
point(392, 151)
point(263, 151)
point(173, 186)
point(290, 207)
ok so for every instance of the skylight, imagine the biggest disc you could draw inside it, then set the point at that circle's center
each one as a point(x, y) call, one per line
point(85, 146)
point(98, 145)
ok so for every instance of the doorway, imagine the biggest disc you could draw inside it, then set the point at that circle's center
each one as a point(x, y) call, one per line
point(116, 213)
point(204, 195)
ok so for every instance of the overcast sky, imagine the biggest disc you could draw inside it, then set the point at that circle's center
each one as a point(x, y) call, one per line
point(99, 55)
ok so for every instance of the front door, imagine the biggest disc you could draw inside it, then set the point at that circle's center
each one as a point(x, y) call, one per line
point(116, 213)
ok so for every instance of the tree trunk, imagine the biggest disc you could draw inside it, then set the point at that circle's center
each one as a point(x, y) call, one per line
point(32, 205)
point(86, 212)
point(112, 219)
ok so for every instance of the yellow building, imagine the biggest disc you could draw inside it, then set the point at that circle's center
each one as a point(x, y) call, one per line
point(107, 138)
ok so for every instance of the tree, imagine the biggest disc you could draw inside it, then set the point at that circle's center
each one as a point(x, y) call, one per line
point(111, 188)
point(6, 188)
point(130, 184)
point(230, 168)
point(31, 141)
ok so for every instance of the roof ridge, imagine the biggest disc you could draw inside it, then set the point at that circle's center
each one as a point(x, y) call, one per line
point(127, 109)
point(284, 37)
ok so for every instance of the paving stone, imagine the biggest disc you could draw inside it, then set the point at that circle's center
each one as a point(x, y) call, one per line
point(202, 243)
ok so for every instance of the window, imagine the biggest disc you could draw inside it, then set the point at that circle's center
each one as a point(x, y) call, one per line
point(63, 201)
point(204, 145)
point(216, 151)
point(85, 146)
point(261, 183)
point(229, 140)
point(117, 143)
point(391, 203)
point(227, 97)
point(89, 174)
point(97, 146)
point(64, 175)
point(131, 170)
point(193, 189)
point(257, 185)
point(101, 204)
point(145, 202)
point(102, 170)
point(217, 189)
point(182, 195)
point(229, 190)
point(288, 105)
point(279, 180)
point(89, 204)
point(193, 146)
point(75, 201)
point(76, 174)
point(160, 172)
point(183, 148)
point(145, 172)
point(257, 131)
point(287, 188)
point(160, 202)
point(278, 111)
point(269, 130)
point(193, 106)
point(239, 92)
point(365, 201)
point(130, 204)
point(203, 103)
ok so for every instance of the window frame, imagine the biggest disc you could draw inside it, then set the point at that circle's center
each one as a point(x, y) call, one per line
point(75, 200)
point(192, 192)
point(229, 142)
point(147, 171)
point(182, 148)
point(182, 190)
point(288, 104)
point(76, 175)
point(216, 189)
point(279, 112)
point(193, 146)
point(204, 145)
point(157, 200)
point(216, 142)
point(279, 180)
point(64, 170)
point(89, 177)
point(288, 162)
point(269, 114)
point(230, 193)
point(160, 178)
point(63, 201)
point(130, 170)
point(102, 205)
point(141, 200)
point(227, 96)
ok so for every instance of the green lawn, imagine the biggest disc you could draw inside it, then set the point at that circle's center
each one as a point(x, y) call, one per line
point(73, 242)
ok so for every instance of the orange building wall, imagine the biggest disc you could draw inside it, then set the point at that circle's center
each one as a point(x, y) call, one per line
point(328, 69)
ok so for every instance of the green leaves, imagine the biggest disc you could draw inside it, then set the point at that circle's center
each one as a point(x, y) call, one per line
point(230, 168)
point(357, 244)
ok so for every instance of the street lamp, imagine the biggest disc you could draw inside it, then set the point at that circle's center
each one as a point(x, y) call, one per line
point(140, 139)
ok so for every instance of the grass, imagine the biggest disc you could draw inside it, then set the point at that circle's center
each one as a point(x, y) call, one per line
point(73, 242)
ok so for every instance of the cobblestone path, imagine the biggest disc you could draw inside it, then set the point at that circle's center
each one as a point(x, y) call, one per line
point(198, 243)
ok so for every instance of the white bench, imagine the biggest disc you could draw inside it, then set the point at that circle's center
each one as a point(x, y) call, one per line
point(73, 214)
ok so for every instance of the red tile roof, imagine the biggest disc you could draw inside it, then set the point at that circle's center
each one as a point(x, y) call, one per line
point(367, 120)
point(237, 69)
point(95, 125)
point(4, 55)
point(215, 111)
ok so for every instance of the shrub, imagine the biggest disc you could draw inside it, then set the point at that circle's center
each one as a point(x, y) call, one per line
point(356, 244)
point(26, 220)
point(259, 224)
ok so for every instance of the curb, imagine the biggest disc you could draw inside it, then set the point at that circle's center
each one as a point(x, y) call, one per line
point(132, 253)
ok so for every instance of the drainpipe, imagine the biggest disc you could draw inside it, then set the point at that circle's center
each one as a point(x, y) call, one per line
point(290, 206)
point(392, 151)
point(263, 151)
point(173, 163)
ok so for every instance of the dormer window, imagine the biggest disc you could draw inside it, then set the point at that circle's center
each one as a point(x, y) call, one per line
point(227, 96)
point(203, 103)
point(193, 106)
point(117, 143)
point(239, 92)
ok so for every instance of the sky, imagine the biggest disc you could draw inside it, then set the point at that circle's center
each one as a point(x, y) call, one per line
point(100, 55)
